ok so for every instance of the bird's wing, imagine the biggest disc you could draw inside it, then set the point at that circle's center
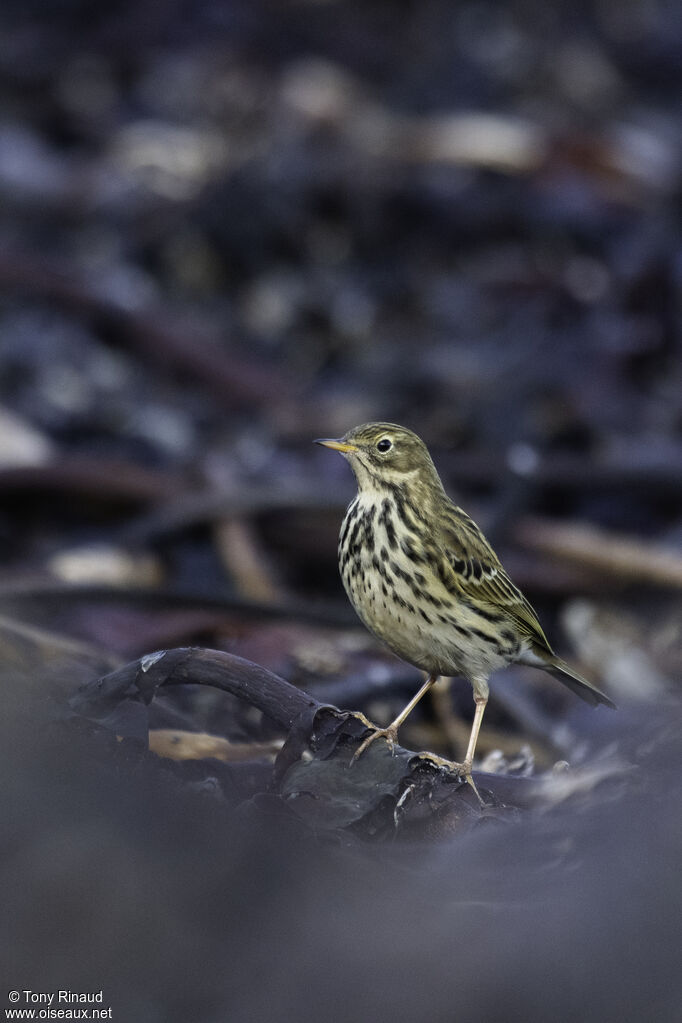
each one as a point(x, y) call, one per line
point(472, 567)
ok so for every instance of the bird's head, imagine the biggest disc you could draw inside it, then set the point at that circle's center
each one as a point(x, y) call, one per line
point(386, 454)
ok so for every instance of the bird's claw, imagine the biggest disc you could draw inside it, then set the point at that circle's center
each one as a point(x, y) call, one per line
point(389, 734)
point(463, 770)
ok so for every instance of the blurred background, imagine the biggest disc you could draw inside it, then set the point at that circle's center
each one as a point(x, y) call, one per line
point(228, 227)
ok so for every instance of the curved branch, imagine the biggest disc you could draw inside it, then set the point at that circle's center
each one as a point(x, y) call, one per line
point(139, 681)
point(372, 797)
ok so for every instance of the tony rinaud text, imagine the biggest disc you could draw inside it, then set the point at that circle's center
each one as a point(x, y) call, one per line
point(47, 998)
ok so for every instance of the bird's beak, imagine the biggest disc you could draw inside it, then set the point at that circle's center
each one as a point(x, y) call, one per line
point(336, 445)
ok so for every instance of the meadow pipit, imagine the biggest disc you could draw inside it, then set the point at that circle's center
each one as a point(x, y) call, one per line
point(424, 579)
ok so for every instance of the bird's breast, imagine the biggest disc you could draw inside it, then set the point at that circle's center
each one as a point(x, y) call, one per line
point(389, 583)
point(398, 594)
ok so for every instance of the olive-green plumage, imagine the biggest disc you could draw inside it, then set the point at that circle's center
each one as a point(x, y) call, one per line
point(422, 576)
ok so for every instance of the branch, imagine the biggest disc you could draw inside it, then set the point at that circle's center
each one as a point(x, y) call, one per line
point(139, 681)
point(385, 789)
point(108, 481)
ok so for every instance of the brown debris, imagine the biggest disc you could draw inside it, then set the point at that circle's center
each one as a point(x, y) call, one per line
point(180, 745)
point(246, 561)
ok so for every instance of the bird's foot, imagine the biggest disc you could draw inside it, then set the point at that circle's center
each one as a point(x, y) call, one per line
point(463, 769)
point(390, 734)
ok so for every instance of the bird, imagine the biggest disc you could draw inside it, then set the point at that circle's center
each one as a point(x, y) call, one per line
point(423, 578)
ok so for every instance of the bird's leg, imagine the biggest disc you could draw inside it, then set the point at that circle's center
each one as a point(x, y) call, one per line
point(481, 702)
point(390, 733)
point(465, 767)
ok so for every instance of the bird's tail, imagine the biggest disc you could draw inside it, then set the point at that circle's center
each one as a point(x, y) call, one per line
point(579, 685)
point(540, 657)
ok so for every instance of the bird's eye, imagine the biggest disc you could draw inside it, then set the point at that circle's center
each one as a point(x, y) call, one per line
point(384, 444)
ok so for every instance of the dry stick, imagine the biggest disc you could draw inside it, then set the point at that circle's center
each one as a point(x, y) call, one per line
point(627, 558)
point(242, 554)
point(178, 744)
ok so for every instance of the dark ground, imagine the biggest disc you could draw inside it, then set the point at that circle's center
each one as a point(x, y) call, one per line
point(229, 228)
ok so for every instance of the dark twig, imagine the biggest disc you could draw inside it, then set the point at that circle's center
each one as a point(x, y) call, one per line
point(140, 681)
point(103, 480)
